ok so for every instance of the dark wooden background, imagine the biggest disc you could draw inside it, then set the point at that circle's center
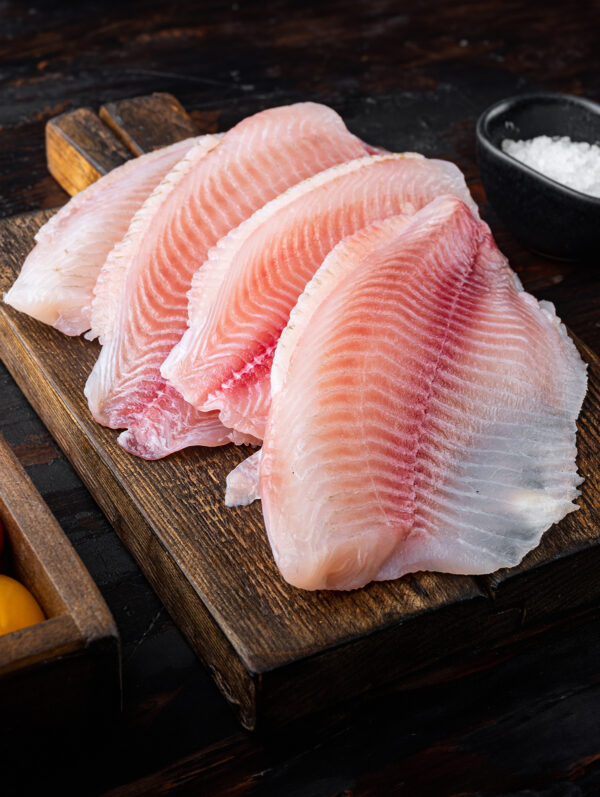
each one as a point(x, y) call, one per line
point(523, 720)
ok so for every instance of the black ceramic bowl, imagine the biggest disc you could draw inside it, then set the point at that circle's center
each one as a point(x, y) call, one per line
point(546, 216)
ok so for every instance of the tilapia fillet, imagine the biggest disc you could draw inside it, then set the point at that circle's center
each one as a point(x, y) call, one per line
point(254, 162)
point(58, 276)
point(110, 292)
point(242, 486)
point(425, 416)
point(241, 299)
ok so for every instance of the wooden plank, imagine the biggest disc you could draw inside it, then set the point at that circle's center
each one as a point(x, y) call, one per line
point(212, 566)
point(146, 123)
point(80, 148)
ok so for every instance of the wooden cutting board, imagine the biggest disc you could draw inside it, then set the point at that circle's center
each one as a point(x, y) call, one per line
point(275, 652)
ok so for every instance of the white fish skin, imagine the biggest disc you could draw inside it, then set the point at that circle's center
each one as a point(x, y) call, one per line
point(255, 275)
point(254, 162)
point(426, 419)
point(58, 276)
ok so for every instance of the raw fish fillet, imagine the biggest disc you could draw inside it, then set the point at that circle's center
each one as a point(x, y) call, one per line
point(242, 486)
point(340, 262)
point(242, 298)
point(110, 291)
point(255, 161)
point(425, 418)
point(57, 278)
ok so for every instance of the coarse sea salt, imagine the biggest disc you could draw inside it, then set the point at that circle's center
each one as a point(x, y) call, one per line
point(575, 164)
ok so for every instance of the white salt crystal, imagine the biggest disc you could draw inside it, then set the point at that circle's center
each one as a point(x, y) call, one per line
point(575, 164)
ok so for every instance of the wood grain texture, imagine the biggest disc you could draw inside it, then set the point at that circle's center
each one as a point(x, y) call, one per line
point(80, 148)
point(273, 650)
point(146, 123)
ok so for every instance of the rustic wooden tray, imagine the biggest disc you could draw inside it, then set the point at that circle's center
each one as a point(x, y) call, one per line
point(66, 668)
point(275, 652)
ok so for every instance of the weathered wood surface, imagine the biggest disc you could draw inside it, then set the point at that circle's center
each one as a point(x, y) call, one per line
point(415, 75)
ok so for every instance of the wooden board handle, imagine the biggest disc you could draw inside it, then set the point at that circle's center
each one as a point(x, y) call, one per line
point(147, 123)
point(80, 149)
point(82, 146)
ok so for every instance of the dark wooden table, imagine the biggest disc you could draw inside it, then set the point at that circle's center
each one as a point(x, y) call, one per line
point(523, 719)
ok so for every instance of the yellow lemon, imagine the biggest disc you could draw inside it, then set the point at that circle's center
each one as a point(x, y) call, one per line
point(18, 607)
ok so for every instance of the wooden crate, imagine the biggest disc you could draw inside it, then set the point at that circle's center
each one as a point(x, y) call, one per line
point(63, 673)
